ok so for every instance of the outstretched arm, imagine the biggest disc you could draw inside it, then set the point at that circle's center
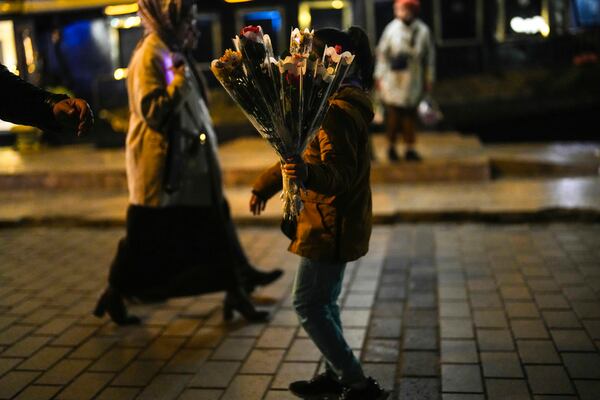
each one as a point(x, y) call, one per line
point(25, 104)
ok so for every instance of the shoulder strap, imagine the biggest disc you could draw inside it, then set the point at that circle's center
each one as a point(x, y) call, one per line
point(413, 36)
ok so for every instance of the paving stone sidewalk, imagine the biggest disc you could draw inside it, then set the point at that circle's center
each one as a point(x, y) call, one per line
point(435, 311)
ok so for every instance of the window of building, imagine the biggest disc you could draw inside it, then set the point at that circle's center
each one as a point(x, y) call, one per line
point(587, 12)
point(270, 19)
point(383, 14)
point(209, 40)
point(523, 19)
point(458, 22)
point(8, 52)
point(319, 14)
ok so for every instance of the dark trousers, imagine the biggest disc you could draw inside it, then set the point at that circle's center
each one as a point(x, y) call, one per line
point(401, 120)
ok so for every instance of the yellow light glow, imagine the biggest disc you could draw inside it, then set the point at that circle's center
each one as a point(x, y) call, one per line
point(10, 161)
point(120, 74)
point(203, 137)
point(126, 23)
point(121, 9)
point(337, 4)
point(29, 54)
point(132, 22)
point(237, 1)
point(304, 17)
point(7, 46)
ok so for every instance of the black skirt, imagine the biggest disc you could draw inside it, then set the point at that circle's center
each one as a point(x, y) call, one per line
point(174, 252)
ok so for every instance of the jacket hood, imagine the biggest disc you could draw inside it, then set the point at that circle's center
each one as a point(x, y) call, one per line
point(356, 103)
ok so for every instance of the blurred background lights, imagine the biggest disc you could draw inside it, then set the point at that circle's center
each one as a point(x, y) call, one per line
point(121, 9)
point(120, 73)
point(304, 17)
point(126, 23)
point(337, 4)
point(530, 26)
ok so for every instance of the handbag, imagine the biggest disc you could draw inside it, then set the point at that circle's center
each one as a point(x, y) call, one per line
point(400, 61)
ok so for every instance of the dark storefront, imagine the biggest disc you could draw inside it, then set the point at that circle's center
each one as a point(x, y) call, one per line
point(85, 48)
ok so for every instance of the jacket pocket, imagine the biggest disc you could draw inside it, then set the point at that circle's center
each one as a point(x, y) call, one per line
point(316, 226)
point(328, 214)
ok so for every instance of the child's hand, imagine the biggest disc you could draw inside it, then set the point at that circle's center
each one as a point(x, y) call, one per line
point(257, 205)
point(296, 169)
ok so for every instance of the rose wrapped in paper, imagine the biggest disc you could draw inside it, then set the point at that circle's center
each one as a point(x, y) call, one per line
point(285, 99)
point(230, 73)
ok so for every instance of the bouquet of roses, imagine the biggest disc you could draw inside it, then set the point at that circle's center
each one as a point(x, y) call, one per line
point(285, 98)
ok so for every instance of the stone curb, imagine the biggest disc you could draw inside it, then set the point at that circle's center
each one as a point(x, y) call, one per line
point(546, 215)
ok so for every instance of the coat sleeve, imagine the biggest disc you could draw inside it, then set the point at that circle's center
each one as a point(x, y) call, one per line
point(154, 98)
point(24, 104)
point(269, 182)
point(337, 169)
point(381, 52)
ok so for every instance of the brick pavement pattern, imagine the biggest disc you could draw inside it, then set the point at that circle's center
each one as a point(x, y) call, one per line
point(440, 311)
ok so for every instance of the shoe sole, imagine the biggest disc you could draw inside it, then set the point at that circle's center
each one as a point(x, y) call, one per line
point(328, 396)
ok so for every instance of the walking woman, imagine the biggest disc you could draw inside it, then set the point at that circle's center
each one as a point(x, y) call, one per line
point(180, 238)
point(334, 227)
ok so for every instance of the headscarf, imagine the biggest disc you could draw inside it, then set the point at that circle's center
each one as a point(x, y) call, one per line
point(162, 17)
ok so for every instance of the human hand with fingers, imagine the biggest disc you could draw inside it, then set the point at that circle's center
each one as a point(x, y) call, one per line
point(295, 168)
point(257, 204)
point(74, 114)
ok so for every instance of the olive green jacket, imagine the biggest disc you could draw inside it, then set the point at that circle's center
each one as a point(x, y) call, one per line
point(335, 224)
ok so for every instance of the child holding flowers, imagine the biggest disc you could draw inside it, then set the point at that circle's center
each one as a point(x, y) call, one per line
point(334, 227)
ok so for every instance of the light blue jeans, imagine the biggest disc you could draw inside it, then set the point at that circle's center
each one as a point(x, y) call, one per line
point(316, 290)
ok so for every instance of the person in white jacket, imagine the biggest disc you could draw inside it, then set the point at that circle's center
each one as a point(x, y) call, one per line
point(405, 71)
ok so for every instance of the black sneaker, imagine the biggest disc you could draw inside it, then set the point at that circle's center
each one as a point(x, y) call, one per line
point(317, 388)
point(371, 392)
point(393, 154)
point(412, 155)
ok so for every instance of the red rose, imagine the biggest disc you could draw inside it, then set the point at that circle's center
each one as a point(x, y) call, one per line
point(251, 28)
point(338, 49)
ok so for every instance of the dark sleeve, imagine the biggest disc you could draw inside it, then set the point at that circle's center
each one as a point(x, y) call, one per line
point(24, 104)
point(337, 170)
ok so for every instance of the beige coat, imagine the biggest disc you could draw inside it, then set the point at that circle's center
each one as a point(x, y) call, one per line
point(156, 97)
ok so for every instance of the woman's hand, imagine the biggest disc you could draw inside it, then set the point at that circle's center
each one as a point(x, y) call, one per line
point(296, 169)
point(257, 204)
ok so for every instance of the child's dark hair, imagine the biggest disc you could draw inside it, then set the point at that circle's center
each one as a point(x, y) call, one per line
point(354, 40)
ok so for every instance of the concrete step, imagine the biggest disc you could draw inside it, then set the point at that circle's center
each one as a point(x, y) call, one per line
point(503, 200)
point(449, 157)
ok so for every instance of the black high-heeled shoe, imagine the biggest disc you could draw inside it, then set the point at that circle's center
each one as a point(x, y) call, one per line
point(111, 302)
point(241, 304)
point(253, 277)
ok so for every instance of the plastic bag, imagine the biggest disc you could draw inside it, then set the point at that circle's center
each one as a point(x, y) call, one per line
point(429, 112)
